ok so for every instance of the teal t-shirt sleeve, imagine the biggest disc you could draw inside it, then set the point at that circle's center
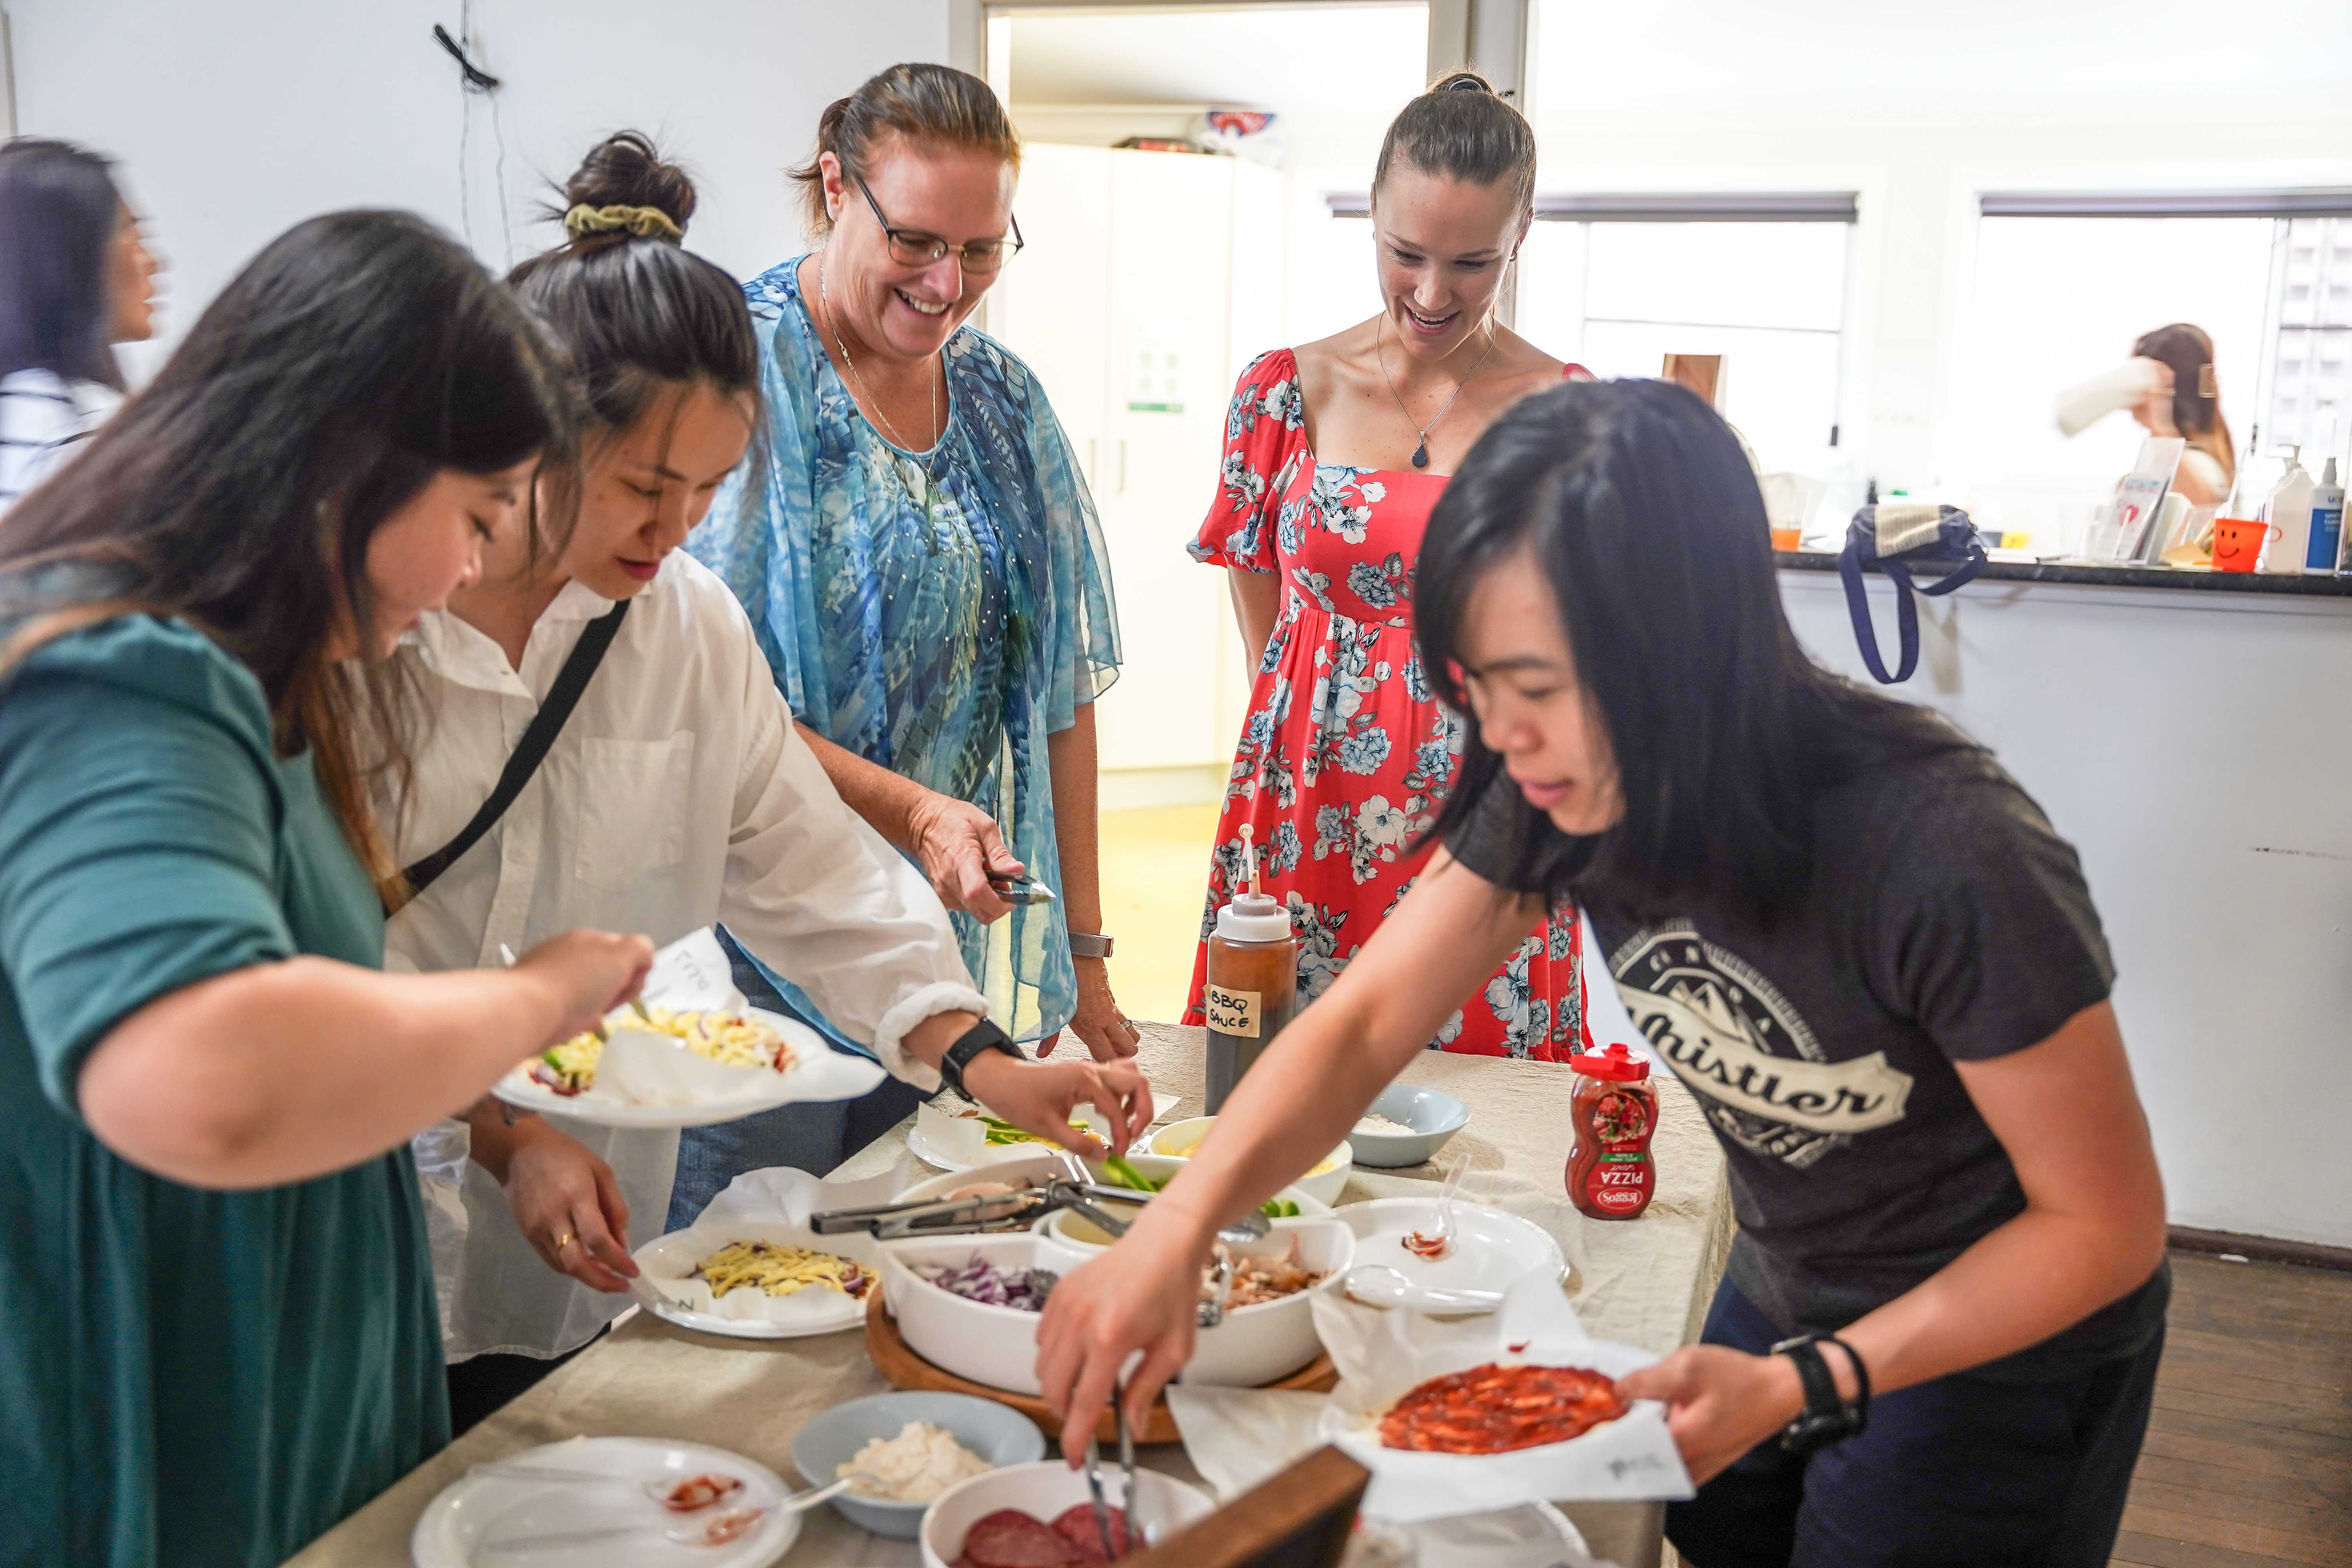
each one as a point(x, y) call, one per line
point(136, 857)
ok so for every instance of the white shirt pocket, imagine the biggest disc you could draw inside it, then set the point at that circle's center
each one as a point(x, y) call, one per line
point(632, 823)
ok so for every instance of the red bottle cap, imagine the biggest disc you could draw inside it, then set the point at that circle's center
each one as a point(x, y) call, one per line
point(1616, 1064)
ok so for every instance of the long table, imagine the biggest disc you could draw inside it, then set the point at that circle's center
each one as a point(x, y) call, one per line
point(1646, 1283)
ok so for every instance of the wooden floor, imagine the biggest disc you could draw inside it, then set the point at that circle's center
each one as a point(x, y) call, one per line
point(2249, 1452)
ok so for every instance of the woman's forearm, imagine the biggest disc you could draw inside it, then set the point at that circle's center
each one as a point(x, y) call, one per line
point(1257, 598)
point(284, 1071)
point(1071, 758)
point(883, 798)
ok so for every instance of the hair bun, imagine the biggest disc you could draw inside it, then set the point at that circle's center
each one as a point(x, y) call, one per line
point(627, 170)
point(1464, 81)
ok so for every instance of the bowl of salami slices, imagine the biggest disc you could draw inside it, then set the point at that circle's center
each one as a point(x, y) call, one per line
point(1041, 1516)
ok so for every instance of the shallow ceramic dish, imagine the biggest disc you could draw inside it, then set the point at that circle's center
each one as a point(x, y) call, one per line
point(1492, 1249)
point(1043, 1491)
point(997, 1433)
point(459, 1528)
point(1178, 1139)
point(1433, 1116)
point(667, 1264)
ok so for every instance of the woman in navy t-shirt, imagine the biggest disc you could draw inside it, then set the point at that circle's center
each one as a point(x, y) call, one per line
point(1862, 949)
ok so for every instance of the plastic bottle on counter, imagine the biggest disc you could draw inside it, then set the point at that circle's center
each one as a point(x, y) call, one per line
point(1615, 1111)
point(1252, 990)
point(2326, 552)
point(2289, 511)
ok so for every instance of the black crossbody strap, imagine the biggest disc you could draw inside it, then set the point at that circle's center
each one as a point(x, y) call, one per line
point(530, 750)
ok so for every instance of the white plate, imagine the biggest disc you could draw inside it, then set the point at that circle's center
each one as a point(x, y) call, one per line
point(1491, 1248)
point(815, 1310)
point(818, 1072)
point(919, 1144)
point(479, 1509)
point(924, 1141)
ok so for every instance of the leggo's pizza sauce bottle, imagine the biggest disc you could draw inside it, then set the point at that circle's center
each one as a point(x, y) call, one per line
point(1610, 1173)
point(1252, 988)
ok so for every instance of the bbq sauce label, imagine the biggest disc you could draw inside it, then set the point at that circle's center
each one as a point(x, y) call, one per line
point(1234, 1012)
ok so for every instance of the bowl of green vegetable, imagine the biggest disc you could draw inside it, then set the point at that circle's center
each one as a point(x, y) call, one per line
point(1146, 1174)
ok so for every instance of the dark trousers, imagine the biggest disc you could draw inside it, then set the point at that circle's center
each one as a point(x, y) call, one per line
point(815, 1138)
point(480, 1385)
point(1963, 1470)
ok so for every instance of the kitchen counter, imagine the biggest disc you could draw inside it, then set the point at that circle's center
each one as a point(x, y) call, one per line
point(1647, 1283)
point(2085, 574)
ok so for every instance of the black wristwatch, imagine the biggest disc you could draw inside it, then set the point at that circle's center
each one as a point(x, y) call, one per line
point(1826, 1418)
point(984, 1036)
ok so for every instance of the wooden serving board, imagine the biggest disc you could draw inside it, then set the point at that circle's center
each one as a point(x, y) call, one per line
point(896, 1361)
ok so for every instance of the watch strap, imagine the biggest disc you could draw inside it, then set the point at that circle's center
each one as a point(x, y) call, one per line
point(984, 1035)
point(1826, 1418)
point(1085, 944)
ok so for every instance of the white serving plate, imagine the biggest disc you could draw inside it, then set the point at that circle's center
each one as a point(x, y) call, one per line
point(477, 1509)
point(1045, 1491)
point(817, 1311)
point(1491, 1248)
point(1178, 1139)
point(818, 1072)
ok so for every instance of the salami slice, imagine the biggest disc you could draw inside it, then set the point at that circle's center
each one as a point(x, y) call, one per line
point(1077, 1525)
point(1011, 1538)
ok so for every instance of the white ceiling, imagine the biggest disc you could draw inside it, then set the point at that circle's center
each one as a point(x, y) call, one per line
point(1324, 58)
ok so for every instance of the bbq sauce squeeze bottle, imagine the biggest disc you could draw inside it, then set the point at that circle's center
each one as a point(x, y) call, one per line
point(1252, 990)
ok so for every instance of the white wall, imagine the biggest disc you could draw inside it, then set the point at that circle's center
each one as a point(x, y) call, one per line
point(235, 119)
point(2189, 746)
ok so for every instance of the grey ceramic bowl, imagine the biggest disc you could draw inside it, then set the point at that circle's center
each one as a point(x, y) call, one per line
point(997, 1433)
point(1433, 1117)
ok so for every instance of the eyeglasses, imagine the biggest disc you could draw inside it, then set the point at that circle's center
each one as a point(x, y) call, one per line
point(914, 248)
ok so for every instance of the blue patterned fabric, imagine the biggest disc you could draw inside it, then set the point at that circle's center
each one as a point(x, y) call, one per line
point(940, 613)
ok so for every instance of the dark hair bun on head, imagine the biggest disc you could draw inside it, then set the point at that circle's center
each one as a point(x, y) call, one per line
point(1462, 129)
point(627, 170)
point(1464, 81)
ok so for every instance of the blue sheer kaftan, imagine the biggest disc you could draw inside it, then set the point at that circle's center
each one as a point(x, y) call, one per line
point(946, 643)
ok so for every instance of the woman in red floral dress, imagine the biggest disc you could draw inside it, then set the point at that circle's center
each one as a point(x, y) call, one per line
point(1335, 454)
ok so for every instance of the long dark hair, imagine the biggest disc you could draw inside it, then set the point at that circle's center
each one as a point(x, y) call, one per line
point(637, 314)
point(1644, 518)
point(59, 212)
point(356, 357)
point(2196, 397)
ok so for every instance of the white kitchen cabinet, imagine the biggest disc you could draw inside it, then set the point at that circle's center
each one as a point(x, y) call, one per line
point(1149, 280)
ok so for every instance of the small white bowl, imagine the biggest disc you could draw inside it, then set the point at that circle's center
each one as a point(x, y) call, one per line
point(1178, 1139)
point(1433, 1116)
point(1043, 1491)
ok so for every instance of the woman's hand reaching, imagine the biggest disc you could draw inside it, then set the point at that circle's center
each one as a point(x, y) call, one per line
point(1143, 1294)
point(962, 853)
point(568, 1206)
point(1040, 1097)
point(1721, 1402)
point(1109, 1034)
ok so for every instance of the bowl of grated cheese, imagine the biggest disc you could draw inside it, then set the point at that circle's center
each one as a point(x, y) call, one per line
point(918, 1445)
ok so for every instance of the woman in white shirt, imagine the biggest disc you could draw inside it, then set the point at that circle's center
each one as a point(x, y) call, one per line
point(76, 278)
point(678, 792)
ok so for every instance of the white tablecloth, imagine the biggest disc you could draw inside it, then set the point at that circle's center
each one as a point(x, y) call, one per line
point(1646, 1283)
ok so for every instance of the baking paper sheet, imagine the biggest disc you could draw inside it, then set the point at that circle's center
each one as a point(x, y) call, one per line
point(771, 1205)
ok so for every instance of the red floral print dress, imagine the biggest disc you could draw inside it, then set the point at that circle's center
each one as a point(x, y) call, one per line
point(1347, 754)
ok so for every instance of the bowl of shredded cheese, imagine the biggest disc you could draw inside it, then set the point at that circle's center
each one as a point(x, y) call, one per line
point(917, 1445)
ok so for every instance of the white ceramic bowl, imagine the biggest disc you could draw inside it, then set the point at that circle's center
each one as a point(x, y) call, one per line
point(1492, 1249)
point(1178, 1139)
point(996, 1346)
point(1082, 1237)
point(1433, 1116)
point(997, 1433)
point(1043, 1491)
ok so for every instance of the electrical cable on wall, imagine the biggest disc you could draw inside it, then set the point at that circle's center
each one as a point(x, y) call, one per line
point(473, 81)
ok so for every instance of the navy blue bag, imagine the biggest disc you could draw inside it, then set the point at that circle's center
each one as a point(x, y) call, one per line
point(1896, 536)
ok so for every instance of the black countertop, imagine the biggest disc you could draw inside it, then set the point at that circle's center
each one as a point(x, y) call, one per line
point(2195, 581)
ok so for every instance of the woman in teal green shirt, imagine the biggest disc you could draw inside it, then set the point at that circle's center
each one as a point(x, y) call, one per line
point(217, 1333)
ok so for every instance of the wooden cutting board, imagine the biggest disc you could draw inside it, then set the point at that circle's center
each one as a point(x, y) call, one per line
point(898, 1361)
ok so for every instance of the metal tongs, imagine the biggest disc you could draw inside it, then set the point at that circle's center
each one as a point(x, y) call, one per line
point(1075, 1190)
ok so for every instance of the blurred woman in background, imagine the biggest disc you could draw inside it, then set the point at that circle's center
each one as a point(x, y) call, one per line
point(76, 278)
point(2185, 401)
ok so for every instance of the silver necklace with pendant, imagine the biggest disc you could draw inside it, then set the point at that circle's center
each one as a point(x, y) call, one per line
point(1421, 452)
point(874, 406)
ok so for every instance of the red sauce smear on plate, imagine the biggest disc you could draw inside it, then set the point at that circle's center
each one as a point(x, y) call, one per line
point(1432, 1248)
point(697, 1492)
point(1494, 1409)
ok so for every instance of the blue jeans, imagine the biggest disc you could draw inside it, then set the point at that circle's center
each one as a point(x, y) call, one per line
point(816, 1138)
point(1961, 1471)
